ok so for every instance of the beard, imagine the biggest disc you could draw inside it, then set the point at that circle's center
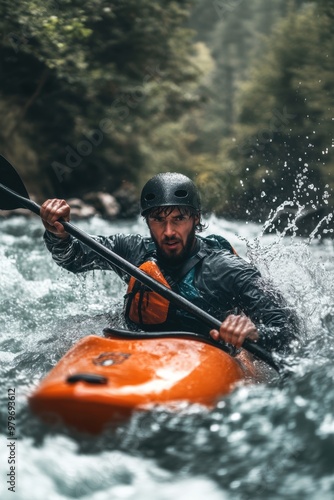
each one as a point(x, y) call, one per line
point(174, 259)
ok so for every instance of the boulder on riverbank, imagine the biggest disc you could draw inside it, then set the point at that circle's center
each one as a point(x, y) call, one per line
point(122, 204)
point(103, 203)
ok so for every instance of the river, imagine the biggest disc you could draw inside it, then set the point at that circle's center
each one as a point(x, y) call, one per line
point(272, 440)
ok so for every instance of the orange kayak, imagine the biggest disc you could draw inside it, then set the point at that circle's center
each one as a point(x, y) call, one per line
point(102, 380)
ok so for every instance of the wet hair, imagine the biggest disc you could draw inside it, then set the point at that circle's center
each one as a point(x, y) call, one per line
point(192, 212)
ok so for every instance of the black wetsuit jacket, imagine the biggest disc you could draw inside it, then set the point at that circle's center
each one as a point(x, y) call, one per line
point(213, 278)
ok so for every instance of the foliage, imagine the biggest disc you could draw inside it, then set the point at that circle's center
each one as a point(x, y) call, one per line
point(284, 129)
point(236, 40)
point(78, 80)
point(275, 145)
point(97, 92)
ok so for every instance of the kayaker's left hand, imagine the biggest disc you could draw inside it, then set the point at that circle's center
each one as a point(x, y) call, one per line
point(235, 329)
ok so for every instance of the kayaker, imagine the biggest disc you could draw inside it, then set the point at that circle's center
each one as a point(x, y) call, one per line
point(205, 270)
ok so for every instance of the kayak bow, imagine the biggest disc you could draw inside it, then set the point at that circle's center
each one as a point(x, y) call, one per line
point(101, 381)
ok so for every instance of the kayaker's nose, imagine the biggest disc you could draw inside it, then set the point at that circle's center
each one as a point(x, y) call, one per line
point(169, 228)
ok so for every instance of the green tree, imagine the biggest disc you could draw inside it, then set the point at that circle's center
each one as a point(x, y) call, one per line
point(284, 130)
point(236, 39)
point(83, 83)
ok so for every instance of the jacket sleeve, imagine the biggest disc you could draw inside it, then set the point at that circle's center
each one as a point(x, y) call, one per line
point(76, 257)
point(276, 322)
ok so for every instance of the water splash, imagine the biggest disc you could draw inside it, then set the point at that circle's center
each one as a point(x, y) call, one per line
point(263, 441)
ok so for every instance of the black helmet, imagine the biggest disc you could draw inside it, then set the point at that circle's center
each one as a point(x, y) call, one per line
point(169, 189)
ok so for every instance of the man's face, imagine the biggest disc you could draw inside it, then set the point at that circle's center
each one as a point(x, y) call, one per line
point(173, 233)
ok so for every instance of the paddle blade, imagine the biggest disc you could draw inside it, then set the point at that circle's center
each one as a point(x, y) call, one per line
point(11, 179)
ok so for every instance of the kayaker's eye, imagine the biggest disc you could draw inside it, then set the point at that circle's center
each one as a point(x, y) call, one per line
point(157, 219)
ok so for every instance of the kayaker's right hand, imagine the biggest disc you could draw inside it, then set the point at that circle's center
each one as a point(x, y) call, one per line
point(51, 211)
point(235, 329)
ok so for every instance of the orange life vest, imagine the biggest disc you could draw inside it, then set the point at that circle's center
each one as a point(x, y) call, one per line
point(142, 305)
point(146, 308)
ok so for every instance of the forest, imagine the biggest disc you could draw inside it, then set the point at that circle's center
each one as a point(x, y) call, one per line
point(236, 94)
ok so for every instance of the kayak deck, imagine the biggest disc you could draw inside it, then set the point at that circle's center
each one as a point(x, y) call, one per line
point(103, 380)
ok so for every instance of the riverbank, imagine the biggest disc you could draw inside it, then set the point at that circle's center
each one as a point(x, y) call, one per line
point(122, 204)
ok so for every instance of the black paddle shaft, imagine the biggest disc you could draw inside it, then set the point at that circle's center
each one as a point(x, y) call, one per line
point(141, 276)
